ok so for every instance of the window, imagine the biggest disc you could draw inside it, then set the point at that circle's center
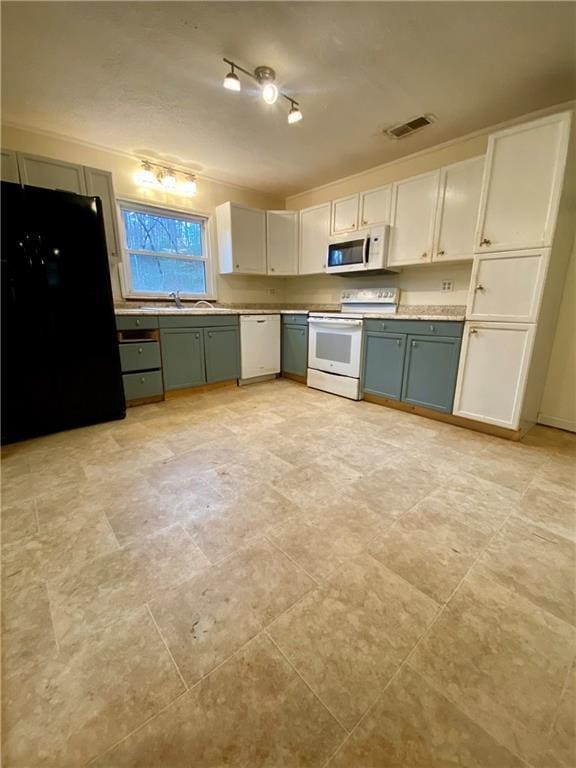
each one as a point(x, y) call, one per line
point(166, 251)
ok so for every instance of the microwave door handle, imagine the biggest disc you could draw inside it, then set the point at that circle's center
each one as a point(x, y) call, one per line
point(366, 251)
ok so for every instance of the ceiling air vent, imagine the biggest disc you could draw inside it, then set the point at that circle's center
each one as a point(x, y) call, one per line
point(409, 127)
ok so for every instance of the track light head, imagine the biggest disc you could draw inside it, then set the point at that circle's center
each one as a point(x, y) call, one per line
point(295, 115)
point(232, 81)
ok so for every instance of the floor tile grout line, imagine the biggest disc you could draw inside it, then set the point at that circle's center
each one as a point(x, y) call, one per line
point(163, 639)
point(51, 612)
point(410, 654)
point(291, 560)
point(142, 725)
point(306, 683)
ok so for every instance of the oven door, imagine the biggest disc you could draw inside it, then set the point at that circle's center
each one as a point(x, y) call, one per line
point(348, 256)
point(334, 345)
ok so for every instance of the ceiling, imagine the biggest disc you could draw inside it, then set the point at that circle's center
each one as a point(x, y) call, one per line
point(146, 78)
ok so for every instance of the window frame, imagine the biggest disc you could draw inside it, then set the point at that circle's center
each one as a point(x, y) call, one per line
point(175, 213)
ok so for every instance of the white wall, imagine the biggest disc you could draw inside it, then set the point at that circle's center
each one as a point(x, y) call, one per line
point(558, 407)
point(232, 288)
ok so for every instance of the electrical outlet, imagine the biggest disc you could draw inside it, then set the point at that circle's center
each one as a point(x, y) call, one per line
point(447, 285)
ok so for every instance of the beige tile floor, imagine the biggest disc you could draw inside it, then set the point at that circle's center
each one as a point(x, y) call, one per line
point(272, 576)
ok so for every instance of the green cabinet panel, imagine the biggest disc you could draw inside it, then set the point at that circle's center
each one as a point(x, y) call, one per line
point(183, 357)
point(136, 322)
point(137, 385)
point(452, 328)
point(197, 321)
point(222, 353)
point(384, 364)
point(295, 319)
point(294, 349)
point(140, 356)
point(430, 372)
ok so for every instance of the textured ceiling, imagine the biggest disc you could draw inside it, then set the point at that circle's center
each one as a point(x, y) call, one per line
point(146, 78)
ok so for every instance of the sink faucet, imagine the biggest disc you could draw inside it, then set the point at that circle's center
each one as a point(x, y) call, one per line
point(177, 300)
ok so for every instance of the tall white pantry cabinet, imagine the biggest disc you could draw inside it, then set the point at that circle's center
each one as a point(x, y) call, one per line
point(523, 241)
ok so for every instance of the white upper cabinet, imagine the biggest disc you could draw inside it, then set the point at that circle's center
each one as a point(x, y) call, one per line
point(375, 206)
point(241, 239)
point(314, 232)
point(345, 214)
point(414, 203)
point(9, 166)
point(522, 184)
point(99, 184)
point(507, 286)
point(282, 242)
point(51, 174)
point(458, 202)
point(492, 374)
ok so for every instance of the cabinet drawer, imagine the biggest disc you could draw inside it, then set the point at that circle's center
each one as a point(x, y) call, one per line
point(136, 322)
point(140, 356)
point(197, 321)
point(138, 385)
point(295, 319)
point(420, 327)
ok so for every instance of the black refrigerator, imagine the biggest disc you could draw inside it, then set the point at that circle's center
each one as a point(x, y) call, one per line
point(60, 356)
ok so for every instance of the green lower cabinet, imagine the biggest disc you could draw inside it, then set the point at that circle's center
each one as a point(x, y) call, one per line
point(430, 372)
point(294, 349)
point(222, 353)
point(183, 357)
point(384, 364)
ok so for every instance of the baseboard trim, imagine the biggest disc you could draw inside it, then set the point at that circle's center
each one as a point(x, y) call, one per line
point(449, 418)
point(553, 421)
point(294, 377)
point(144, 400)
point(172, 393)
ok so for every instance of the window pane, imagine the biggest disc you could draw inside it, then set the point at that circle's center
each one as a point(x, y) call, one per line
point(163, 234)
point(162, 274)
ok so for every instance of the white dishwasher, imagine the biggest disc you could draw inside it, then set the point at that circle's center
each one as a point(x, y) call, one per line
point(259, 346)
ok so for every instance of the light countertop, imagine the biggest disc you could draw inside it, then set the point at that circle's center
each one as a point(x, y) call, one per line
point(435, 313)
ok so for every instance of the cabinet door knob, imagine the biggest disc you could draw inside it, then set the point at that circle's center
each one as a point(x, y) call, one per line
point(433, 328)
point(473, 330)
point(237, 266)
point(197, 335)
point(485, 241)
point(140, 350)
point(479, 287)
point(209, 335)
point(414, 344)
point(441, 253)
point(302, 333)
point(137, 321)
point(272, 269)
point(424, 255)
point(398, 342)
point(384, 325)
point(142, 380)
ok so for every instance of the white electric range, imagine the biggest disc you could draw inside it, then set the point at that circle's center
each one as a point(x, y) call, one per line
point(335, 339)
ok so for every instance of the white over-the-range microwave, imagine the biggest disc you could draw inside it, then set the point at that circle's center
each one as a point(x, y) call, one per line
point(365, 250)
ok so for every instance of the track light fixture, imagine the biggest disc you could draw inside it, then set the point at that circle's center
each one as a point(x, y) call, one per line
point(265, 77)
point(161, 177)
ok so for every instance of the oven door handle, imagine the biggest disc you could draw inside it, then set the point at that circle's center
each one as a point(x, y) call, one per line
point(334, 321)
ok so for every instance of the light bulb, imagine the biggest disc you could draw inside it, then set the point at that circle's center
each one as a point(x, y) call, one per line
point(145, 176)
point(294, 116)
point(232, 81)
point(189, 187)
point(270, 93)
point(167, 179)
